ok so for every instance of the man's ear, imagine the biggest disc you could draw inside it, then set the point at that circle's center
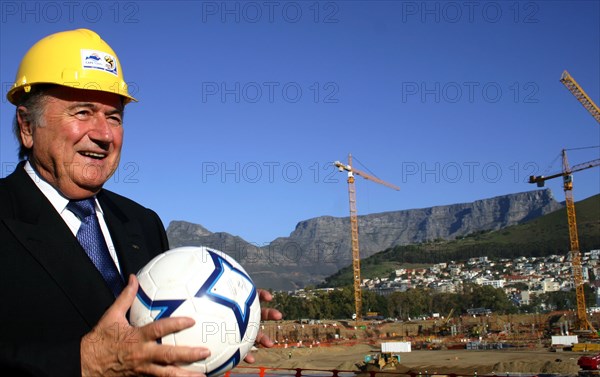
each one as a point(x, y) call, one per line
point(25, 127)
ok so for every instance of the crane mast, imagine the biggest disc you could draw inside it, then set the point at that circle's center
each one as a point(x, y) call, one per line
point(584, 323)
point(354, 242)
point(354, 227)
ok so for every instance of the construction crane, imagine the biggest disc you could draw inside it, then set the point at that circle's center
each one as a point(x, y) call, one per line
point(577, 91)
point(581, 95)
point(354, 227)
point(567, 174)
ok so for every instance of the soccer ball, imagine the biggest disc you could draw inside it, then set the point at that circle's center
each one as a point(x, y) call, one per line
point(210, 287)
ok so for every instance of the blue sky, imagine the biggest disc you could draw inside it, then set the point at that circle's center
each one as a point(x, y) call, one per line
point(245, 105)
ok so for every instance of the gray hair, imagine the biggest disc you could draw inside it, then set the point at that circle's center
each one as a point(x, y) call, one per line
point(35, 102)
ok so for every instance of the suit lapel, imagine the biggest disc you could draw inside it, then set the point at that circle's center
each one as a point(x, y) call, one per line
point(127, 237)
point(44, 234)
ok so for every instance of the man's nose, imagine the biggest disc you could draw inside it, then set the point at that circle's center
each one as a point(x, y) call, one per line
point(102, 130)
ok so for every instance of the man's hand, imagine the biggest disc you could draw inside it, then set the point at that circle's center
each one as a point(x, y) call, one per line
point(267, 314)
point(115, 348)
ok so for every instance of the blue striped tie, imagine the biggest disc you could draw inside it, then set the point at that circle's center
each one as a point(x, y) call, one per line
point(91, 239)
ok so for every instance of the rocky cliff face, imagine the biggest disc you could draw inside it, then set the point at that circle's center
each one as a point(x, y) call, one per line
point(320, 246)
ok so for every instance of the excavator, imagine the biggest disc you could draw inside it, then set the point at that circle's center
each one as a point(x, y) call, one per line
point(445, 328)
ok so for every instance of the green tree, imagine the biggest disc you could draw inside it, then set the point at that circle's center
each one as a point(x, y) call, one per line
point(486, 296)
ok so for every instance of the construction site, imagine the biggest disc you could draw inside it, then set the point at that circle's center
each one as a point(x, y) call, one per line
point(559, 332)
point(527, 343)
point(454, 332)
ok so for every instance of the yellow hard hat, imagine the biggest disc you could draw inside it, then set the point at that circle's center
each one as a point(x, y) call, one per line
point(75, 58)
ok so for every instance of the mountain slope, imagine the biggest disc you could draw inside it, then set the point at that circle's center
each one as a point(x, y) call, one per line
point(542, 236)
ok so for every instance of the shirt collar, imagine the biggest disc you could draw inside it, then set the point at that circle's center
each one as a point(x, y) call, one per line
point(58, 201)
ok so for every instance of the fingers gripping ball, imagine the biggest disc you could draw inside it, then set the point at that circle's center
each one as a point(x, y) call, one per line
point(210, 287)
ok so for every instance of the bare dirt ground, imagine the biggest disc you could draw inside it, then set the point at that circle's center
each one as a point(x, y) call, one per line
point(339, 346)
point(526, 339)
point(465, 362)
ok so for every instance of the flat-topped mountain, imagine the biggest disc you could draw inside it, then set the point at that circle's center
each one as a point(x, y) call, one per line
point(320, 246)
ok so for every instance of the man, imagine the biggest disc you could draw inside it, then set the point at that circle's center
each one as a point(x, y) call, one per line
point(67, 276)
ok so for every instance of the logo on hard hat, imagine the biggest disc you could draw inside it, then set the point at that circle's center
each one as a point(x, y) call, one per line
point(110, 62)
point(92, 59)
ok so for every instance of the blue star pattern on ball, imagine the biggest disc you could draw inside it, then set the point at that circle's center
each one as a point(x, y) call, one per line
point(230, 287)
point(165, 307)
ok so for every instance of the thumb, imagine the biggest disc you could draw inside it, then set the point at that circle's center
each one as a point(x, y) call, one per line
point(125, 299)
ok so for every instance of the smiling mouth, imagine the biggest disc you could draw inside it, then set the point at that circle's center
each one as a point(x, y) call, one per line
point(96, 156)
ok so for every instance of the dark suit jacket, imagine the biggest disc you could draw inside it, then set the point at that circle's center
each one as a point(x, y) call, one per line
point(50, 291)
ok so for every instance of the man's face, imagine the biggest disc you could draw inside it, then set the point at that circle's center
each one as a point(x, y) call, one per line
point(78, 145)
